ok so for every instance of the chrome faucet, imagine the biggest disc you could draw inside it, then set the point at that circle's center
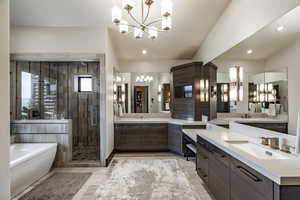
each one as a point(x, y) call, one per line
point(274, 142)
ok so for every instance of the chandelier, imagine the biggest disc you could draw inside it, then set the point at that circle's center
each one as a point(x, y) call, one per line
point(143, 78)
point(144, 25)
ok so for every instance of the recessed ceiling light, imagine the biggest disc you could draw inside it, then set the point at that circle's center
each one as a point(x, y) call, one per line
point(280, 28)
point(144, 51)
point(250, 51)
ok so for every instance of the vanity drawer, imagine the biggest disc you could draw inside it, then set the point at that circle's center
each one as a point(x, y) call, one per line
point(248, 184)
point(221, 156)
point(202, 142)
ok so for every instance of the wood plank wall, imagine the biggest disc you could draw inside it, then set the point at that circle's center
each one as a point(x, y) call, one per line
point(191, 74)
point(81, 107)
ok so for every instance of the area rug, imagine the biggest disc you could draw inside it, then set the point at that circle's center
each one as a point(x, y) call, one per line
point(146, 180)
point(59, 186)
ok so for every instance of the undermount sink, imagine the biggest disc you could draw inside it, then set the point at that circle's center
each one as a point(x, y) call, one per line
point(258, 151)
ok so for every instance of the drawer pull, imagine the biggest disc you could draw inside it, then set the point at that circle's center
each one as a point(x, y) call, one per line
point(249, 174)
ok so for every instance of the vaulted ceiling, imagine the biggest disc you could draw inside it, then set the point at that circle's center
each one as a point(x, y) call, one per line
point(192, 21)
point(269, 40)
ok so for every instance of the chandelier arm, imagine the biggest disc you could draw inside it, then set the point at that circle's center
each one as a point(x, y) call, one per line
point(158, 29)
point(153, 22)
point(147, 15)
point(130, 25)
point(134, 19)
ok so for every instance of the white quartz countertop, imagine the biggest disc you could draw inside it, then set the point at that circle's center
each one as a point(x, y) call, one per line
point(226, 121)
point(282, 172)
point(157, 120)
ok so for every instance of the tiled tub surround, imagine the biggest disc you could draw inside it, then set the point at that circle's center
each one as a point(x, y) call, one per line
point(46, 131)
point(282, 172)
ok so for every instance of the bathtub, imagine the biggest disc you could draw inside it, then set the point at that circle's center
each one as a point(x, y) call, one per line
point(28, 163)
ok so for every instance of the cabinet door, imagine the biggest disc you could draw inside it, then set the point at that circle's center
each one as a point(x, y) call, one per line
point(247, 184)
point(175, 138)
point(219, 175)
point(202, 161)
point(141, 137)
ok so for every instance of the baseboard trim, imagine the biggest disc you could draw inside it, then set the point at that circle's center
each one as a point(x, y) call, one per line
point(109, 158)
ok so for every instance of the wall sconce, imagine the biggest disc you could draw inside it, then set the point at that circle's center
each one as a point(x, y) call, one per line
point(115, 92)
point(214, 91)
point(159, 93)
point(265, 92)
point(224, 93)
point(204, 90)
point(236, 75)
point(255, 96)
point(123, 88)
point(123, 97)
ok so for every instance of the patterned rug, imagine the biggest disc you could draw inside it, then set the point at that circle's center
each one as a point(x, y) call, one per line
point(146, 180)
point(59, 186)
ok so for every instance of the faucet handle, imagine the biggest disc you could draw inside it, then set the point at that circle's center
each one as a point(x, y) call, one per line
point(287, 148)
point(265, 141)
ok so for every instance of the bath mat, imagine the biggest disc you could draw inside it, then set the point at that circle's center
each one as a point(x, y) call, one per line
point(145, 179)
point(59, 186)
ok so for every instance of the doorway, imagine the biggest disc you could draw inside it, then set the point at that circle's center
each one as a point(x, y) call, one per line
point(141, 99)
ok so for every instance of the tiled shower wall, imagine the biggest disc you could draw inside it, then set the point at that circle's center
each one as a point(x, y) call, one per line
point(81, 107)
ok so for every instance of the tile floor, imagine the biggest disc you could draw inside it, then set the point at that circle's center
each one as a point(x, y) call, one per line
point(88, 191)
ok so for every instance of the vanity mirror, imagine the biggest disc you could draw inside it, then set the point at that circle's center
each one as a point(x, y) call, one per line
point(268, 93)
point(268, 75)
point(141, 92)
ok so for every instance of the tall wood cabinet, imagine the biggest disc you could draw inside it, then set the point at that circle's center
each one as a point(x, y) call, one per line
point(185, 91)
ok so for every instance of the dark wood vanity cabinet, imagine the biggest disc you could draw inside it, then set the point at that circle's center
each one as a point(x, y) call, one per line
point(175, 138)
point(219, 174)
point(202, 160)
point(141, 137)
point(247, 184)
point(147, 137)
point(213, 166)
point(228, 178)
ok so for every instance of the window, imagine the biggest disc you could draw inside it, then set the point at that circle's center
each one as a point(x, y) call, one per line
point(85, 84)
